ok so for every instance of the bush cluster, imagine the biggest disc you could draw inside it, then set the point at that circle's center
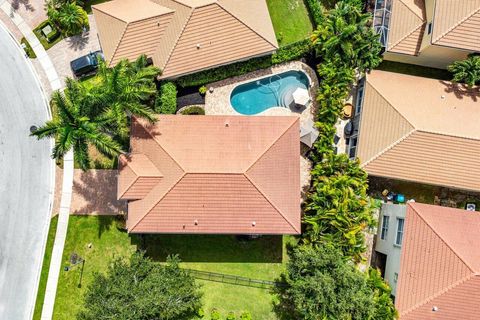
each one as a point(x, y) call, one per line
point(288, 53)
point(166, 101)
point(216, 315)
point(316, 11)
point(193, 110)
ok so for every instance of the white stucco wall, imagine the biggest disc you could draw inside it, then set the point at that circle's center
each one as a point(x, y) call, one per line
point(388, 246)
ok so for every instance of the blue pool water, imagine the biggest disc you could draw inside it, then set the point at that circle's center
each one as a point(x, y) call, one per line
point(272, 91)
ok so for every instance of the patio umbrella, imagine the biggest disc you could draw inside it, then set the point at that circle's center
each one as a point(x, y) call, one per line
point(308, 133)
point(301, 96)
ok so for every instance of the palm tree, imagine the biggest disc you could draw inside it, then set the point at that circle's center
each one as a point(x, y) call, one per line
point(346, 35)
point(72, 128)
point(70, 18)
point(125, 90)
point(466, 71)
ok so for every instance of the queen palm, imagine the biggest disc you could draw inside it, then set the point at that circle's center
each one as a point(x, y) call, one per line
point(125, 90)
point(346, 35)
point(73, 129)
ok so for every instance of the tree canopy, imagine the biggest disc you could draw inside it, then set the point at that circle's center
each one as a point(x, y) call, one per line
point(321, 284)
point(346, 35)
point(141, 289)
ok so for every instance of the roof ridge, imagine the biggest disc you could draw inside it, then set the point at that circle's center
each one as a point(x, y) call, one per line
point(178, 38)
point(438, 294)
point(271, 203)
point(106, 13)
point(246, 25)
point(157, 202)
point(441, 238)
point(438, 38)
point(408, 35)
point(447, 134)
point(272, 144)
point(402, 1)
point(388, 148)
point(118, 43)
point(391, 104)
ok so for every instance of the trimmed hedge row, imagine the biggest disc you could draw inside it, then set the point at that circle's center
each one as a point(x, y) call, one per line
point(315, 10)
point(290, 52)
point(166, 101)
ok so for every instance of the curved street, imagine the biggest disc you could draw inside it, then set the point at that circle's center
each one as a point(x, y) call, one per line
point(26, 172)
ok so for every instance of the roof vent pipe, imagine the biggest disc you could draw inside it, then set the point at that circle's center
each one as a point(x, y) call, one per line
point(435, 308)
point(198, 46)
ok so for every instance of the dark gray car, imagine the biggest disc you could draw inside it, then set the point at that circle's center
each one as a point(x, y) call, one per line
point(86, 64)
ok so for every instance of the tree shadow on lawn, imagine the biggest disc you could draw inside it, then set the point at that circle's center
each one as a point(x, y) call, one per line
point(211, 248)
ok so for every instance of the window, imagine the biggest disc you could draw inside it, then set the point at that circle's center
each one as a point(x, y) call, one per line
point(429, 28)
point(399, 238)
point(384, 231)
point(395, 277)
point(353, 147)
point(359, 101)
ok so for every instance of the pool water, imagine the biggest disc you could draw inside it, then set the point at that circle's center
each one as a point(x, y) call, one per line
point(272, 91)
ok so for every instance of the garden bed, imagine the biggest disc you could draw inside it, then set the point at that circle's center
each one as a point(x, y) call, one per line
point(53, 37)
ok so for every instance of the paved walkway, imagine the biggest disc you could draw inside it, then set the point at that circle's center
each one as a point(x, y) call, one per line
point(60, 236)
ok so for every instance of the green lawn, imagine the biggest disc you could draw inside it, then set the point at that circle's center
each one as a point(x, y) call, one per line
point(415, 70)
point(290, 20)
point(45, 266)
point(258, 259)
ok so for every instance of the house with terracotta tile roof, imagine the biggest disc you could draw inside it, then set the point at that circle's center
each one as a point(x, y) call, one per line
point(438, 275)
point(431, 33)
point(213, 174)
point(184, 36)
point(417, 129)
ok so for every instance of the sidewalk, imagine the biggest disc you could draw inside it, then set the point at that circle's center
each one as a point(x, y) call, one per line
point(42, 55)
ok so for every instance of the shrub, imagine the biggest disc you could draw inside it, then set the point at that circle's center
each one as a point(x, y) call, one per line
point(166, 101)
point(28, 48)
point(202, 90)
point(70, 18)
point(193, 110)
point(215, 315)
point(231, 316)
point(316, 11)
point(290, 52)
point(246, 316)
point(466, 71)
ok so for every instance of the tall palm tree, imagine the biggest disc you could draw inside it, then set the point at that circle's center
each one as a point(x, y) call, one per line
point(466, 71)
point(72, 128)
point(346, 35)
point(125, 90)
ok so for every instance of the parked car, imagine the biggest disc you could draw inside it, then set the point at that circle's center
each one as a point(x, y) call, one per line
point(86, 64)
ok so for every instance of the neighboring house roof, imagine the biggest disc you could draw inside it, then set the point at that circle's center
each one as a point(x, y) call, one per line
point(421, 130)
point(407, 23)
point(183, 36)
point(457, 24)
point(213, 174)
point(440, 264)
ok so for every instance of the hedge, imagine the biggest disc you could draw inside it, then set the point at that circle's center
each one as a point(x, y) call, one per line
point(290, 52)
point(166, 101)
point(28, 49)
point(193, 110)
point(316, 11)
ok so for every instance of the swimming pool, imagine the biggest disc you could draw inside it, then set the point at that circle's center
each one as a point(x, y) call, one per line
point(272, 91)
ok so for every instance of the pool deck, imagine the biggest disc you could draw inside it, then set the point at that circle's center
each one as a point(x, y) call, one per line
point(217, 102)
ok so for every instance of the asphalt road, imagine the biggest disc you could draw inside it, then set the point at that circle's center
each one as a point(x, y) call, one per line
point(25, 182)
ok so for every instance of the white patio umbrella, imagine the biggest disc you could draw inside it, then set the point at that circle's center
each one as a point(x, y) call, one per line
point(301, 96)
point(308, 133)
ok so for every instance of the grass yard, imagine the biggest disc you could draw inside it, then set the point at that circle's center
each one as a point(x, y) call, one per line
point(45, 266)
point(415, 70)
point(258, 259)
point(290, 20)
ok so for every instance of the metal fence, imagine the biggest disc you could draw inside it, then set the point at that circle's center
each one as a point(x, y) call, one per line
point(226, 278)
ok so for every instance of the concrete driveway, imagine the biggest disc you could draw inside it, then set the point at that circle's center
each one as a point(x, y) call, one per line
point(26, 172)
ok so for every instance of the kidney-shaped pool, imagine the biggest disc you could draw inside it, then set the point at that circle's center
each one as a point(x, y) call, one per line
point(272, 91)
